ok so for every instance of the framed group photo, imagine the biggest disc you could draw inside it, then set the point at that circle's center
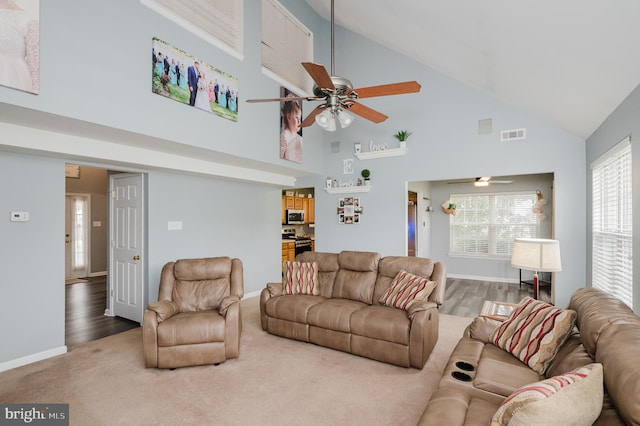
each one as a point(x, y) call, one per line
point(180, 76)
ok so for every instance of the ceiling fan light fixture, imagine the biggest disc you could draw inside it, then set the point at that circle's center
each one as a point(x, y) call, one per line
point(326, 120)
point(345, 118)
point(481, 183)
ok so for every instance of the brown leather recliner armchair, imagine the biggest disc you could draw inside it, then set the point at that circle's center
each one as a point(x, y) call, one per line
point(197, 318)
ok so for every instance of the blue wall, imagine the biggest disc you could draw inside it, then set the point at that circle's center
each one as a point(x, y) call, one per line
point(95, 87)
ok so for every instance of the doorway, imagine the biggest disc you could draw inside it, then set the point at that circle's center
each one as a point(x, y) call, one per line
point(412, 210)
point(91, 293)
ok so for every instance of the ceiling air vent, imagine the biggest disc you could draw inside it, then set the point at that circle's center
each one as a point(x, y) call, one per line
point(513, 135)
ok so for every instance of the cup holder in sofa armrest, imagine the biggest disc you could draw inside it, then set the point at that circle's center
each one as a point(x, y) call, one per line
point(459, 375)
point(465, 366)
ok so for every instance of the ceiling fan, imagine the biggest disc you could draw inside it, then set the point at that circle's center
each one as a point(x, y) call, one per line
point(482, 181)
point(339, 95)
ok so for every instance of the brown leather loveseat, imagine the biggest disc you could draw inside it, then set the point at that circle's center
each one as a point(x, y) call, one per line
point(197, 318)
point(606, 332)
point(346, 313)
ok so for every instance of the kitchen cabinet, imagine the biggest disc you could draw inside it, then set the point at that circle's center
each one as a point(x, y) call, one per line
point(311, 208)
point(293, 203)
point(288, 251)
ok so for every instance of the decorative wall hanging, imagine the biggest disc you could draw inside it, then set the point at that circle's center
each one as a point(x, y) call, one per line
point(20, 45)
point(349, 210)
point(290, 130)
point(537, 206)
point(179, 76)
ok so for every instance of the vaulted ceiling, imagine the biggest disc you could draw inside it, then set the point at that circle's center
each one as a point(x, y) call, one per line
point(571, 62)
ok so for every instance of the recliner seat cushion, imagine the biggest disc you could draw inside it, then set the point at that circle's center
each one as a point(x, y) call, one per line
point(189, 328)
point(382, 323)
point(292, 308)
point(333, 314)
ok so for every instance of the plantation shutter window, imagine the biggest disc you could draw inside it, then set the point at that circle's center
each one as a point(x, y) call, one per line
point(286, 43)
point(219, 22)
point(486, 224)
point(612, 248)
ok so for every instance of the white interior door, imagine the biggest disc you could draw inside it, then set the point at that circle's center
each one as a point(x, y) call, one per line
point(127, 250)
point(76, 238)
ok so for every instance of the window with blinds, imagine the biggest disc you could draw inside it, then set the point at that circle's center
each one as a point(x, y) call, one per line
point(486, 224)
point(612, 267)
point(219, 22)
point(286, 43)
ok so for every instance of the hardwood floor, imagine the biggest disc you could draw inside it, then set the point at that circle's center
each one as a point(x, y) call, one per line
point(466, 297)
point(86, 302)
point(85, 320)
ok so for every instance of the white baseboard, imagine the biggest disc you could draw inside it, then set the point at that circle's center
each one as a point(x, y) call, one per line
point(98, 274)
point(252, 294)
point(477, 278)
point(19, 362)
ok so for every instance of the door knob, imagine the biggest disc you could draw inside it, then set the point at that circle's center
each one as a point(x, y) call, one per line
point(136, 257)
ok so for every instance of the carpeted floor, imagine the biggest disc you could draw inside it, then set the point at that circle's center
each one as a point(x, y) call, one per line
point(275, 381)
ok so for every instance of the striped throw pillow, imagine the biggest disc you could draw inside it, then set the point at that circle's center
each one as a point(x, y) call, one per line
point(534, 332)
point(407, 289)
point(573, 398)
point(300, 278)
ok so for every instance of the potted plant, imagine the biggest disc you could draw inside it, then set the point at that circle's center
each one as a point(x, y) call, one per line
point(402, 136)
point(365, 173)
point(448, 207)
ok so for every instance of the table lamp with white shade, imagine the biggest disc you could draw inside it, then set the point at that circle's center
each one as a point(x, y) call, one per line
point(537, 255)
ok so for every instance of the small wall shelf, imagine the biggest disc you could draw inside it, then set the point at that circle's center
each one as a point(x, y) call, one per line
point(393, 152)
point(348, 189)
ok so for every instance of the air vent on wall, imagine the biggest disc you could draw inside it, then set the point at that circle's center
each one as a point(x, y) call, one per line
point(513, 135)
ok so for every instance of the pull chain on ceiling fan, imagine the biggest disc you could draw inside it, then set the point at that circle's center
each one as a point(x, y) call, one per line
point(339, 95)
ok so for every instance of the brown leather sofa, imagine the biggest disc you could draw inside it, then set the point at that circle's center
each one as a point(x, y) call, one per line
point(606, 332)
point(347, 315)
point(197, 318)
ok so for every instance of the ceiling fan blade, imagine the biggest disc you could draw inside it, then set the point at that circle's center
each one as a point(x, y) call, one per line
point(461, 181)
point(319, 74)
point(387, 89)
point(288, 98)
point(311, 118)
point(500, 181)
point(366, 112)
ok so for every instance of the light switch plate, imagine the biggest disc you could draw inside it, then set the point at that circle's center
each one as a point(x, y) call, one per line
point(174, 225)
point(19, 216)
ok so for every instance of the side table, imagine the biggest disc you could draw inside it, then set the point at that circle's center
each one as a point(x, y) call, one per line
point(497, 310)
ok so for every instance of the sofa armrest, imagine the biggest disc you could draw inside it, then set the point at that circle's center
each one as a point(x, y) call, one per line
point(150, 338)
point(226, 303)
point(481, 329)
point(271, 290)
point(422, 305)
point(275, 289)
point(164, 309)
point(423, 332)
point(230, 310)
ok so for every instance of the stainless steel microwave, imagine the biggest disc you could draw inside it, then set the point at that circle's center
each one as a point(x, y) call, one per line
point(295, 217)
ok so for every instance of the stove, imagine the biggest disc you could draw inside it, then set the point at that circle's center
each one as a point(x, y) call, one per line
point(302, 242)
